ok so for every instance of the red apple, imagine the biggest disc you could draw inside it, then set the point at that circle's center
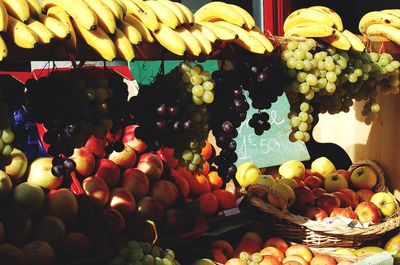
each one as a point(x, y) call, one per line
point(364, 195)
point(368, 212)
point(123, 201)
point(304, 198)
point(169, 157)
point(76, 246)
point(335, 182)
point(96, 146)
point(316, 214)
point(310, 172)
point(353, 196)
point(84, 160)
point(345, 212)
point(108, 171)
point(165, 191)
point(318, 192)
point(125, 159)
point(313, 182)
point(323, 259)
point(62, 204)
point(130, 139)
point(136, 182)
point(150, 208)
point(346, 174)
point(276, 242)
point(299, 250)
point(151, 165)
point(328, 202)
point(345, 200)
point(97, 190)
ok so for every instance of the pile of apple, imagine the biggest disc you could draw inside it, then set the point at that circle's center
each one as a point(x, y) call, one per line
point(324, 191)
point(38, 219)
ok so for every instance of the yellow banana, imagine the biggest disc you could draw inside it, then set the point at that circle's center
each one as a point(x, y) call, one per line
point(313, 30)
point(144, 32)
point(43, 34)
point(98, 40)
point(20, 34)
point(168, 38)
point(356, 42)
point(131, 33)
point(77, 9)
point(386, 31)
point(338, 40)
point(61, 15)
point(205, 44)
point(105, 17)
point(189, 17)
point(334, 16)
point(3, 17)
point(207, 32)
point(192, 44)
point(123, 46)
point(115, 8)
point(307, 15)
point(366, 250)
point(376, 17)
point(249, 22)
point(163, 14)
point(3, 49)
point(123, 6)
point(17, 8)
point(395, 12)
point(222, 33)
point(59, 30)
point(35, 8)
point(245, 40)
point(263, 39)
point(143, 13)
point(219, 11)
point(174, 9)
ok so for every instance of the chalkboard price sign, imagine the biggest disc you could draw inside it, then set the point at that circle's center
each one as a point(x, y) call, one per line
point(273, 147)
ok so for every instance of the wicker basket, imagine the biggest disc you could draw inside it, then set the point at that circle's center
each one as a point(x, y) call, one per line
point(317, 234)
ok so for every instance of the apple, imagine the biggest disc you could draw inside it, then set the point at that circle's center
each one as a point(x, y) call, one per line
point(385, 202)
point(345, 200)
point(172, 162)
point(367, 250)
point(96, 146)
point(11, 255)
point(345, 173)
point(266, 180)
point(290, 182)
point(364, 195)
point(344, 212)
point(151, 165)
point(285, 192)
point(233, 261)
point(38, 252)
point(328, 202)
point(334, 182)
point(224, 245)
point(292, 169)
point(97, 190)
point(316, 214)
point(353, 196)
point(299, 250)
point(29, 197)
point(273, 251)
point(304, 198)
point(76, 246)
point(255, 237)
point(364, 177)
point(123, 201)
point(269, 260)
point(296, 259)
point(226, 199)
point(323, 259)
point(62, 204)
point(84, 160)
point(18, 165)
point(50, 229)
point(130, 139)
point(308, 172)
point(368, 212)
point(219, 256)
point(150, 208)
point(108, 171)
point(113, 219)
point(318, 192)
point(39, 173)
point(313, 182)
point(247, 174)
point(165, 192)
point(276, 242)
point(125, 159)
point(393, 245)
point(136, 182)
point(17, 225)
point(175, 221)
point(5, 185)
point(323, 166)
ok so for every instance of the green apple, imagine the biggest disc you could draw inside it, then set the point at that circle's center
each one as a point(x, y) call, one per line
point(40, 174)
point(385, 202)
point(335, 182)
point(284, 191)
point(266, 180)
point(292, 169)
point(323, 166)
point(5, 184)
point(18, 166)
point(29, 197)
point(364, 177)
point(247, 174)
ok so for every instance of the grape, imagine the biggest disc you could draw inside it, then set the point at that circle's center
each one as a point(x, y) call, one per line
point(208, 97)
point(198, 91)
point(331, 77)
point(7, 136)
point(292, 45)
point(244, 256)
point(148, 260)
point(305, 106)
point(7, 149)
point(295, 121)
point(196, 79)
point(299, 135)
point(375, 107)
point(312, 80)
point(256, 257)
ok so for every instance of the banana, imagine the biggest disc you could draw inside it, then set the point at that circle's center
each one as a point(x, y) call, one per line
point(376, 17)
point(44, 35)
point(115, 8)
point(143, 13)
point(205, 44)
point(356, 43)
point(59, 30)
point(249, 22)
point(163, 14)
point(338, 40)
point(144, 32)
point(192, 44)
point(20, 34)
point(219, 11)
point(395, 12)
point(313, 30)
point(123, 6)
point(168, 38)
point(222, 33)
point(245, 40)
point(189, 17)
point(105, 17)
point(61, 15)
point(338, 24)
point(3, 49)
point(77, 9)
point(35, 8)
point(174, 9)
point(98, 40)
point(207, 32)
point(3, 17)
point(307, 15)
point(17, 8)
point(131, 33)
point(264, 40)
point(386, 31)
point(123, 46)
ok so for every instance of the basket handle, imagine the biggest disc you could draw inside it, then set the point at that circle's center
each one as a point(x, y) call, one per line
point(256, 188)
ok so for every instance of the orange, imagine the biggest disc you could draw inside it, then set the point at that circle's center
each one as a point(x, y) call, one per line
point(206, 168)
point(208, 203)
point(198, 184)
point(207, 150)
point(215, 180)
point(226, 200)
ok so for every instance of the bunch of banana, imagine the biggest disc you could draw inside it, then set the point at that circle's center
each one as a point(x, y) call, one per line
point(322, 23)
point(385, 23)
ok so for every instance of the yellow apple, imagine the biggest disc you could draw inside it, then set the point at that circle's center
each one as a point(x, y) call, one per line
point(292, 169)
point(364, 177)
point(247, 174)
point(284, 191)
point(19, 163)
point(40, 174)
point(29, 197)
point(290, 182)
point(5, 184)
point(385, 202)
point(367, 249)
point(393, 245)
point(323, 166)
point(335, 182)
point(266, 180)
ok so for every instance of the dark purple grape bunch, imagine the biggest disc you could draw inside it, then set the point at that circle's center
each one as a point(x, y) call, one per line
point(259, 122)
point(62, 167)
